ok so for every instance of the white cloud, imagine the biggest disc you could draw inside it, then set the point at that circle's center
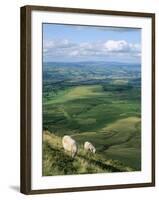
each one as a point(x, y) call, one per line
point(69, 49)
point(58, 44)
point(74, 53)
point(109, 28)
point(121, 46)
point(112, 45)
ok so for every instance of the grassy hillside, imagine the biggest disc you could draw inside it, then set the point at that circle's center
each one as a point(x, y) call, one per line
point(96, 103)
point(119, 140)
point(57, 162)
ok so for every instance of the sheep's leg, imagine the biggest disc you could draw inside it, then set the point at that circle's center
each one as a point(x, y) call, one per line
point(65, 151)
point(72, 154)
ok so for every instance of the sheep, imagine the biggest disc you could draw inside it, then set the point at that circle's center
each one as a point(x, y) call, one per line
point(70, 145)
point(89, 147)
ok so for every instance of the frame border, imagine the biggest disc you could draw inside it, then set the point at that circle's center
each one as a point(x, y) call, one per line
point(25, 95)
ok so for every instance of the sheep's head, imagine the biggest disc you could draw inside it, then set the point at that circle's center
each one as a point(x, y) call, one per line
point(94, 150)
point(74, 150)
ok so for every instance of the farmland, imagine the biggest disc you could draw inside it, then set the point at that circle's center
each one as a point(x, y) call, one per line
point(97, 102)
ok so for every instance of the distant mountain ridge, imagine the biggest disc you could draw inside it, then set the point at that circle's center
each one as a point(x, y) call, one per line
point(79, 63)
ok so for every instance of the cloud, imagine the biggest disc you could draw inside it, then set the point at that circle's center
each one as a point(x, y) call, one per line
point(116, 46)
point(58, 44)
point(68, 49)
point(119, 29)
point(121, 46)
point(109, 28)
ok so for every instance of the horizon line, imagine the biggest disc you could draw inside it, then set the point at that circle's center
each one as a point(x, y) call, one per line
point(91, 62)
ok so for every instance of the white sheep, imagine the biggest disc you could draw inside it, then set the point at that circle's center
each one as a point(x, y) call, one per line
point(70, 145)
point(89, 147)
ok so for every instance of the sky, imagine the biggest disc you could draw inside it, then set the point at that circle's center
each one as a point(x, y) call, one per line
point(74, 43)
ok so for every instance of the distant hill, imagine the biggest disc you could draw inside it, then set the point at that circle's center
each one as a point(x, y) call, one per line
point(91, 63)
point(92, 101)
point(77, 73)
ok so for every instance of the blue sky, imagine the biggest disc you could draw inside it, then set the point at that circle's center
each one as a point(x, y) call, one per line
point(71, 43)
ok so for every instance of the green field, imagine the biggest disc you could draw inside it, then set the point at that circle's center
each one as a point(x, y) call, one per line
point(106, 114)
point(58, 162)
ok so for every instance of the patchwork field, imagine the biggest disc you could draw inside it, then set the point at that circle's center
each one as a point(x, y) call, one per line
point(107, 113)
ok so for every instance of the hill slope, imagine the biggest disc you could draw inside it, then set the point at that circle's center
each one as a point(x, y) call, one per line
point(58, 162)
